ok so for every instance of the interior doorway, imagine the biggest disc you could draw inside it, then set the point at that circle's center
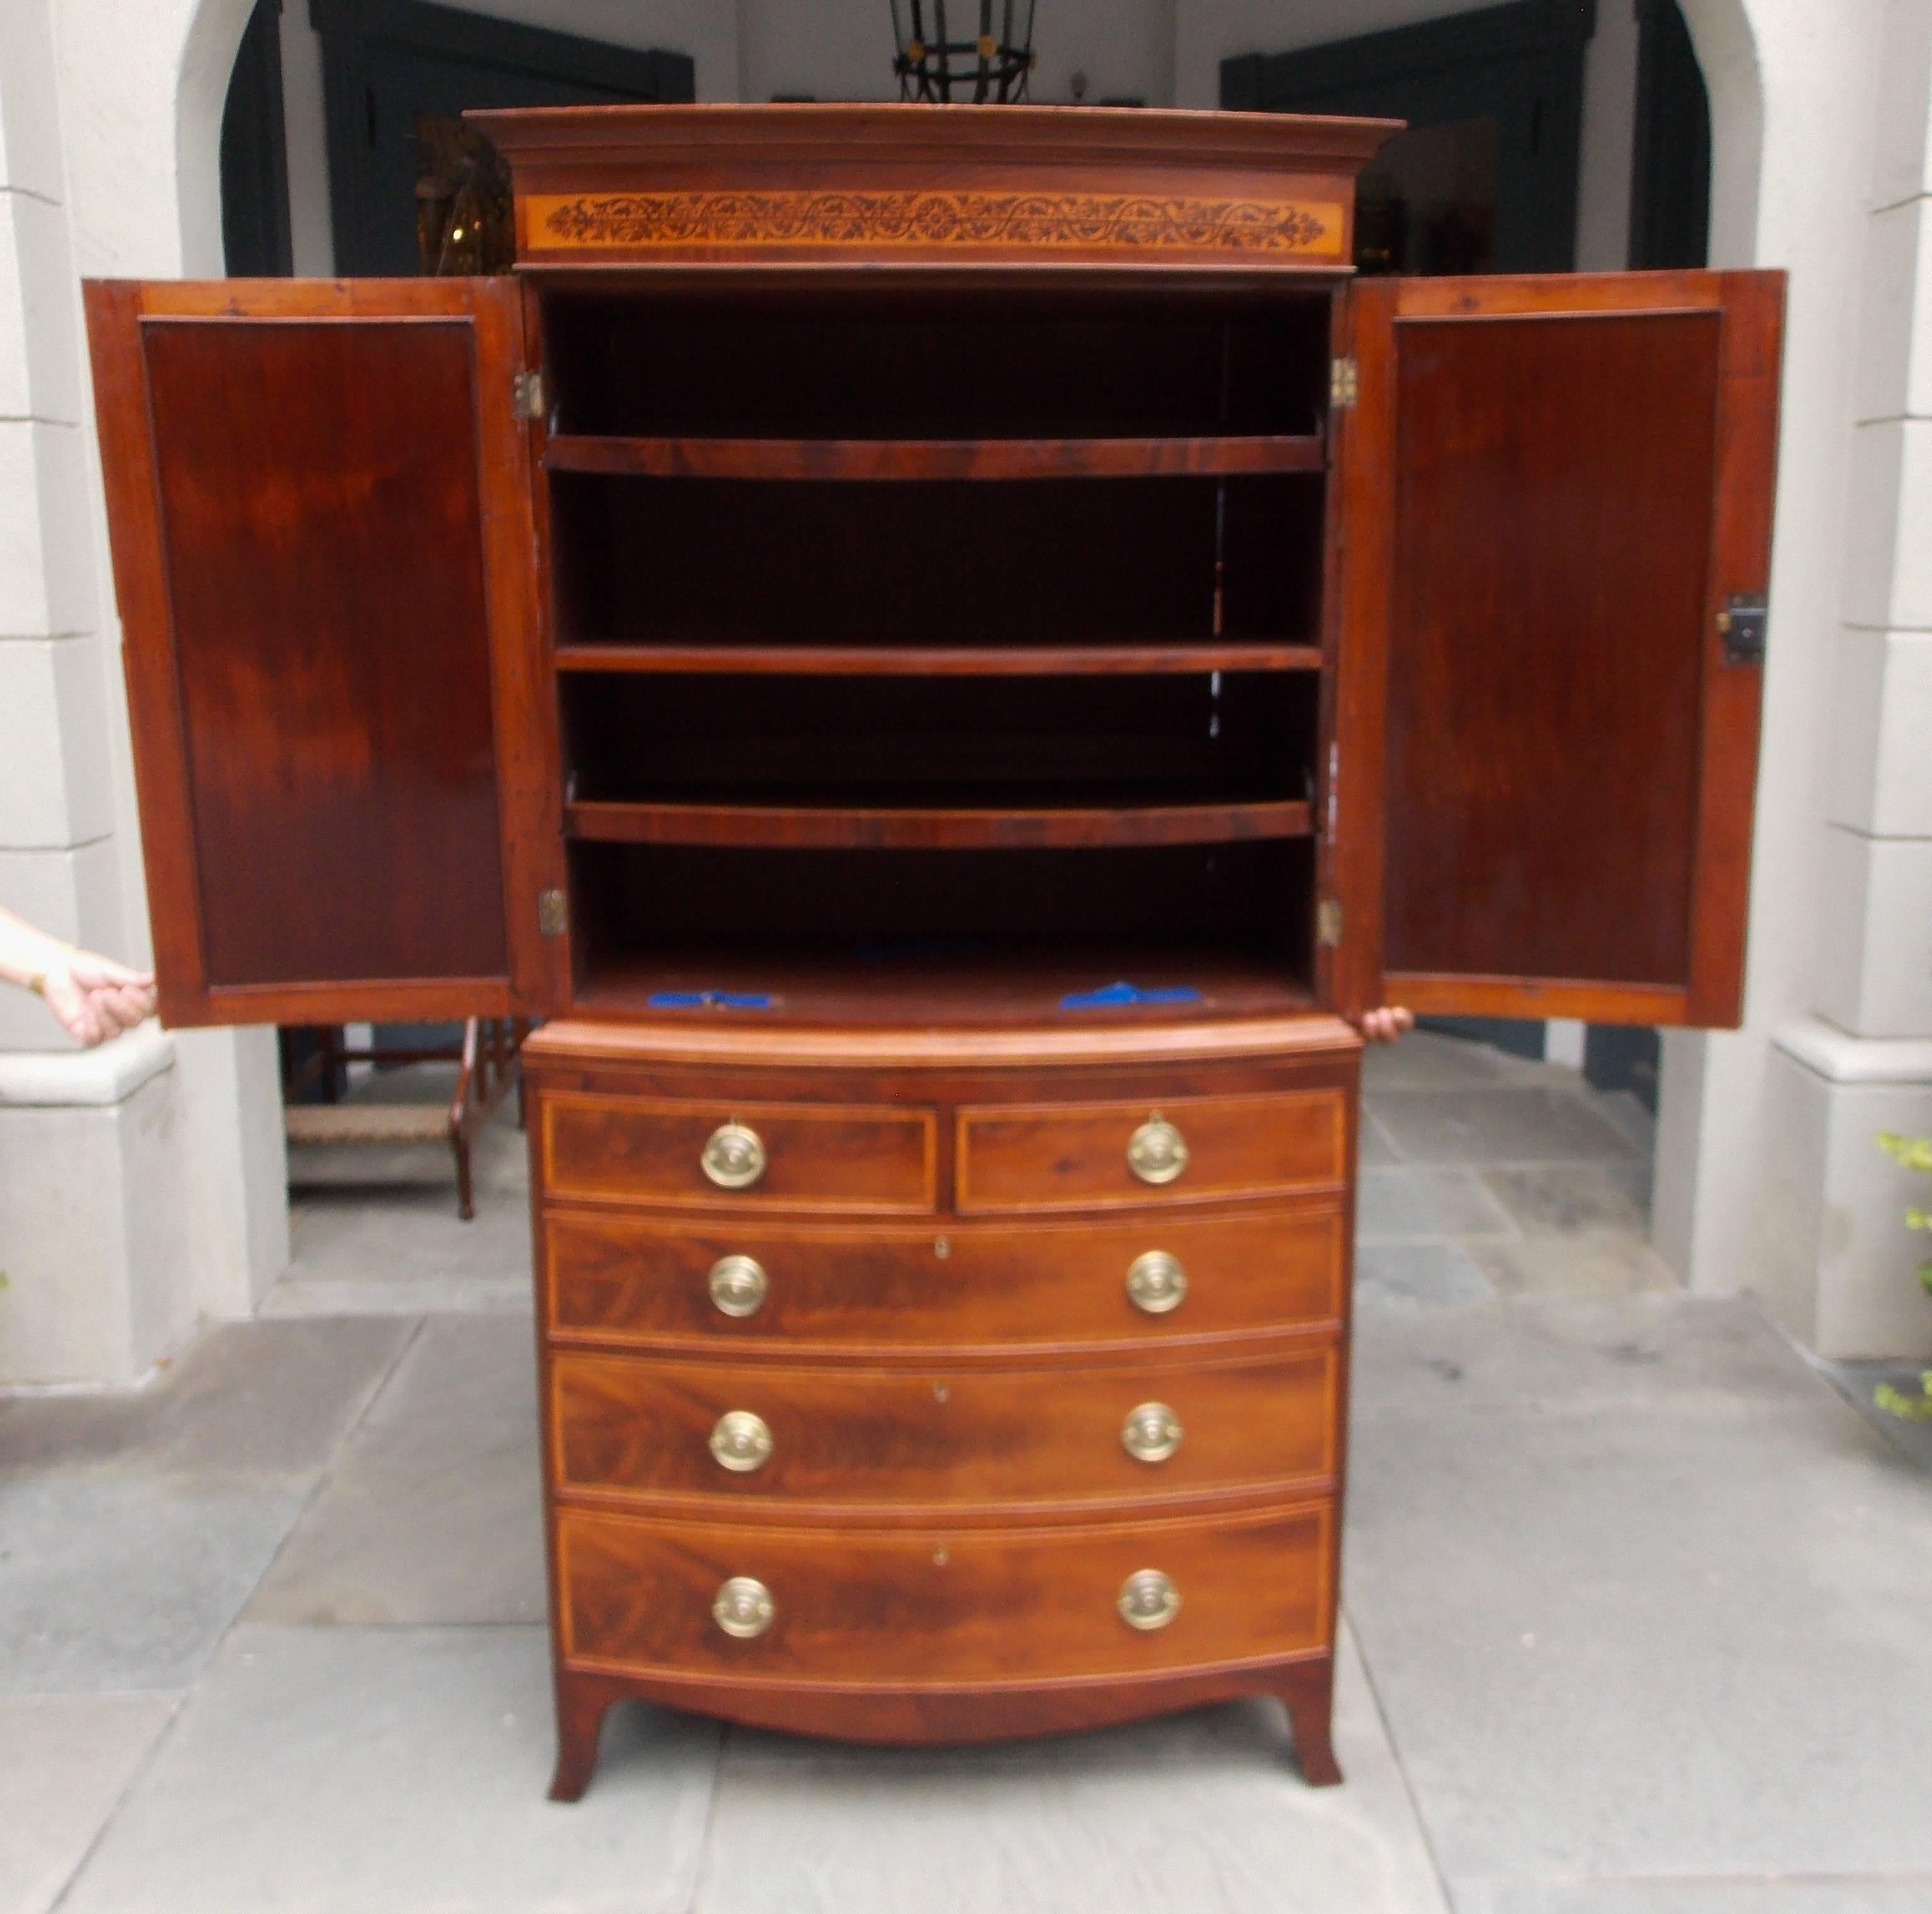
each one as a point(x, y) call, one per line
point(390, 67)
point(256, 242)
point(1485, 180)
point(1670, 175)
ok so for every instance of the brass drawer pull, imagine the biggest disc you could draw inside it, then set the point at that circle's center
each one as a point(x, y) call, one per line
point(1156, 1282)
point(1157, 1151)
point(741, 1441)
point(1151, 1433)
point(734, 1158)
point(744, 1607)
point(1147, 1599)
point(739, 1285)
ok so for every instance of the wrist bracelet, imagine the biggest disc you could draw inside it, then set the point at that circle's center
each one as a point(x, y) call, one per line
point(37, 983)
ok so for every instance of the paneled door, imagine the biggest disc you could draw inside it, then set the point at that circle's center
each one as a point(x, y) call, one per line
point(1558, 503)
point(318, 492)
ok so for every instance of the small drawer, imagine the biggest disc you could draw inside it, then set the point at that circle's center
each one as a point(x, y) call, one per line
point(1184, 1149)
point(939, 1607)
point(753, 1156)
point(793, 1440)
point(962, 1286)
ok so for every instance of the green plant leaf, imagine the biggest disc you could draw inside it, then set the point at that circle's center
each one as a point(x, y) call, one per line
point(1914, 1152)
point(1896, 1402)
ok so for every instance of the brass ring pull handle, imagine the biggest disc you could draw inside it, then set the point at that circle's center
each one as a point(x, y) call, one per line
point(739, 1285)
point(743, 1607)
point(1155, 1283)
point(1147, 1599)
point(1157, 1151)
point(1151, 1433)
point(733, 1157)
point(741, 1441)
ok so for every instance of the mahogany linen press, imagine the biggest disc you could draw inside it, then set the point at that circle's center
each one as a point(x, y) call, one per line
point(949, 652)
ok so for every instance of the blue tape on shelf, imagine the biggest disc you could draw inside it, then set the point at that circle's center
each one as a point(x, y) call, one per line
point(708, 1000)
point(1109, 995)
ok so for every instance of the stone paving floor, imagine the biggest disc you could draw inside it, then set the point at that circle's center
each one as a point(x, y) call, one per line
point(1640, 1609)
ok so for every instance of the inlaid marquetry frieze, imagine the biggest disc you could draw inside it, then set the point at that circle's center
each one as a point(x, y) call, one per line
point(1083, 222)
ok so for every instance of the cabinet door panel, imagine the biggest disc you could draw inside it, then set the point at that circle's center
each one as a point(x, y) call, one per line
point(318, 498)
point(1555, 488)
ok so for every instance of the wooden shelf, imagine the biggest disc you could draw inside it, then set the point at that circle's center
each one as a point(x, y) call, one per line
point(1023, 984)
point(876, 459)
point(835, 827)
point(947, 660)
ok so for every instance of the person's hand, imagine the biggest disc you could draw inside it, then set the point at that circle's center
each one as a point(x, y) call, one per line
point(93, 998)
point(1385, 1025)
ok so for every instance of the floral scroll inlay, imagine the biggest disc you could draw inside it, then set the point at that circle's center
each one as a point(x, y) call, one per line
point(1047, 221)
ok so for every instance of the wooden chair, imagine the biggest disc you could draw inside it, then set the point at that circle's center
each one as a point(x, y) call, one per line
point(487, 1058)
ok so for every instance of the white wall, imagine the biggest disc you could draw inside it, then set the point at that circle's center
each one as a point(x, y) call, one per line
point(57, 859)
point(121, 1217)
point(832, 50)
point(842, 49)
point(1768, 1177)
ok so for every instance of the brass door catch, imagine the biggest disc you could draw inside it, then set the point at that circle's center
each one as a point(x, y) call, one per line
point(1741, 625)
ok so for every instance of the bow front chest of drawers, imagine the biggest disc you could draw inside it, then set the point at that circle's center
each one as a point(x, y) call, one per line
point(906, 1390)
point(953, 653)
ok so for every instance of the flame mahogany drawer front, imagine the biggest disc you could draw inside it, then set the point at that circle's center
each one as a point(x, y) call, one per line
point(963, 1285)
point(1176, 1149)
point(780, 1436)
point(942, 1606)
point(854, 1158)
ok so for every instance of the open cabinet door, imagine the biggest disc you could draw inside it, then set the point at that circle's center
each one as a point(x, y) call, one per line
point(319, 498)
point(1557, 499)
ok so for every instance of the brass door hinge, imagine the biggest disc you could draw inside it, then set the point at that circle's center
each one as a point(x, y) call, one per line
point(526, 395)
point(1328, 923)
point(550, 915)
point(1344, 383)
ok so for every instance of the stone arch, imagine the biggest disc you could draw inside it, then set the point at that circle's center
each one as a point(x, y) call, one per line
point(1727, 50)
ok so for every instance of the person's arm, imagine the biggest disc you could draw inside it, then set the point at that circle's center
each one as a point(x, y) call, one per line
point(93, 998)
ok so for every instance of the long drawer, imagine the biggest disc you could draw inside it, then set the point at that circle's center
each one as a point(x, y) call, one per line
point(940, 1607)
point(860, 1159)
point(782, 1437)
point(721, 1285)
point(1187, 1149)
